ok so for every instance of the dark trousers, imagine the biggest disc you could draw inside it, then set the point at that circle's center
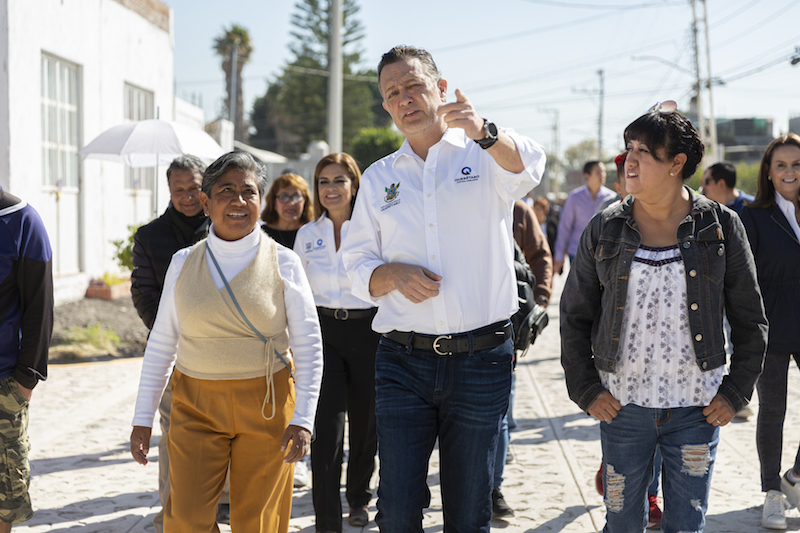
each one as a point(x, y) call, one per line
point(771, 387)
point(459, 399)
point(348, 386)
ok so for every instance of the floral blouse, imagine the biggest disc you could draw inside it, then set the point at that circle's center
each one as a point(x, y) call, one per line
point(656, 365)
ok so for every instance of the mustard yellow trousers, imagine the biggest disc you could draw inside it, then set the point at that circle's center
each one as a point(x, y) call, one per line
point(217, 421)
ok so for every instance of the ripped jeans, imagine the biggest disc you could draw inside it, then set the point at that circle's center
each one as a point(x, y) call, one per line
point(688, 446)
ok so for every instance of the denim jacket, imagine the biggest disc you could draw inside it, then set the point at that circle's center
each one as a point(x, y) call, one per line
point(720, 276)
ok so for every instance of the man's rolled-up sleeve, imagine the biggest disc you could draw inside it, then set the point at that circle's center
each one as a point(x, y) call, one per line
point(514, 186)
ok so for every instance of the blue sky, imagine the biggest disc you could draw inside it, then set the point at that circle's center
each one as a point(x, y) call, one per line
point(521, 61)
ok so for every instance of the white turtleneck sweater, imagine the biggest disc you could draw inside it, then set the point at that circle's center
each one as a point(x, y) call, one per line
point(301, 313)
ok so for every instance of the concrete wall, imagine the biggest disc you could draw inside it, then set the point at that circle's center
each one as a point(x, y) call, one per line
point(111, 45)
point(188, 114)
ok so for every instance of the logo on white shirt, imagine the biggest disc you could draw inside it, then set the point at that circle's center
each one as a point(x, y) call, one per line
point(467, 176)
point(392, 194)
point(312, 246)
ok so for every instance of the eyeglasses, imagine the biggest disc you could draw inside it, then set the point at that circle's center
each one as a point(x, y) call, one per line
point(290, 198)
point(665, 107)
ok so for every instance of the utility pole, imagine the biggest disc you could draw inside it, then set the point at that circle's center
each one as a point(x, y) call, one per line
point(699, 81)
point(335, 83)
point(601, 93)
point(600, 118)
point(234, 75)
point(712, 126)
point(552, 184)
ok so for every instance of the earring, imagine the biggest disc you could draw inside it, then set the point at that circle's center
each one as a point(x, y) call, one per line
point(671, 173)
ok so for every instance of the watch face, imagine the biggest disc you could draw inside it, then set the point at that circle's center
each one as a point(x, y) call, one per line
point(491, 128)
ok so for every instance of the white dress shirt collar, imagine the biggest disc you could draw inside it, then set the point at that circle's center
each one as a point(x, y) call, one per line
point(453, 136)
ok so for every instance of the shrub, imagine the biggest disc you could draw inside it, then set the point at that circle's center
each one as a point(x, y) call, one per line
point(124, 250)
point(371, 144)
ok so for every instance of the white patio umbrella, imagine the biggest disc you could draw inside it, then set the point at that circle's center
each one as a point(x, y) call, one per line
point(148, 143)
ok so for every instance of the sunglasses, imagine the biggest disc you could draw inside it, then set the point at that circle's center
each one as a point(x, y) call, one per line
point(668, 106)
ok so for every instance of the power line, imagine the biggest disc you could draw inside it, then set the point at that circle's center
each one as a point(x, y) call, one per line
point(770, 18)
point(566, 68)
point(760, 58)
point(617, 7)
point(759, 69)
point(725, 19)
point(525, 33)
point(302, 70)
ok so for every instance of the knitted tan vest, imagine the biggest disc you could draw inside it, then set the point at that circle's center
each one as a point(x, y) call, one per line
point(215, 342)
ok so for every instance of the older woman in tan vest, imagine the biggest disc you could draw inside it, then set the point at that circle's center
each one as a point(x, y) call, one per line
point(237, 320)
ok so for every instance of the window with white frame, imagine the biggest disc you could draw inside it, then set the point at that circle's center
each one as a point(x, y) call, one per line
point(59, 123)
point(138, 106)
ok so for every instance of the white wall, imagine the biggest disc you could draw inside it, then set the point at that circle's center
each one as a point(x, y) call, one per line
point(188, 114)
point(111, 46)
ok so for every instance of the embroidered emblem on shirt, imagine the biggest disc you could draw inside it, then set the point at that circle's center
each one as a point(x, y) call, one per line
point(467, 176)
point(392, 191)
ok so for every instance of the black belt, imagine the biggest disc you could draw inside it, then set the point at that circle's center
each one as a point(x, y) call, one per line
point(484, 338)
point(347, 314)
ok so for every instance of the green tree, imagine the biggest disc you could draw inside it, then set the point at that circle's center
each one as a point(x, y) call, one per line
point(234, 38)
point(371, 144)
point(293, 111)
point(747, 177)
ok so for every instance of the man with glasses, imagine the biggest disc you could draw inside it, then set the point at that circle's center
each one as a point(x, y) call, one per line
point(719, 184)
point(181, 225)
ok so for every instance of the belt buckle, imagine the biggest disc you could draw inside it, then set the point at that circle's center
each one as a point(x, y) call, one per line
point(436, 342)
point(336, 314)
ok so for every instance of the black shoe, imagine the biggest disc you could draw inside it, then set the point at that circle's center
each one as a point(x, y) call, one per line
point(358, 516)
point(499, 506)
point(223, 513)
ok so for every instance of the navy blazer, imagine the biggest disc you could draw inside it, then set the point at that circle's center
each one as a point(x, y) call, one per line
point(777, 253)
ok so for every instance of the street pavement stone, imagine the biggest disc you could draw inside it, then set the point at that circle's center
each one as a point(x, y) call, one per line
point(85, 479)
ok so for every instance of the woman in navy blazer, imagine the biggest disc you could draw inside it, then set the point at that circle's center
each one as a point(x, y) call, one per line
point(772, 222)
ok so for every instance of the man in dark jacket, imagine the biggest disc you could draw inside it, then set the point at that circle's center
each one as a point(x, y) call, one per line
point(26, 325)
point(181, 225)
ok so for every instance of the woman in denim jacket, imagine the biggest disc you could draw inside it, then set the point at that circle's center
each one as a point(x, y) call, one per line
point(771, 221)
point(641, 327)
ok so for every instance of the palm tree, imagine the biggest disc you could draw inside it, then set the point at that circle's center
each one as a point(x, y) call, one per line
point(235, 39)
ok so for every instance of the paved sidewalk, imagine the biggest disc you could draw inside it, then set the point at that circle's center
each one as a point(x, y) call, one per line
point(84, 478)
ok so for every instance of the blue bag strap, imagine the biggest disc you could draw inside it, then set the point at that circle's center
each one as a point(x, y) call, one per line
point(241, 312)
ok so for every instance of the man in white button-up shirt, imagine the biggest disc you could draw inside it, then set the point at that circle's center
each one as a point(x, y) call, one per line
point(430, 244)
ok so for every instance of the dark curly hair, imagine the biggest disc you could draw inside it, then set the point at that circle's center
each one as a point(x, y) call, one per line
point(671, 131)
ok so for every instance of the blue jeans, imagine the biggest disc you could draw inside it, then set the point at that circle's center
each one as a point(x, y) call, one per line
point(688, 446)
point(512, 423)
point(656, 478)
point(500, 455)
point(460, 399)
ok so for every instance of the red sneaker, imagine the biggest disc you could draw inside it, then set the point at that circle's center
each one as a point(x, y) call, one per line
point(654, 513)
point(598, 481)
